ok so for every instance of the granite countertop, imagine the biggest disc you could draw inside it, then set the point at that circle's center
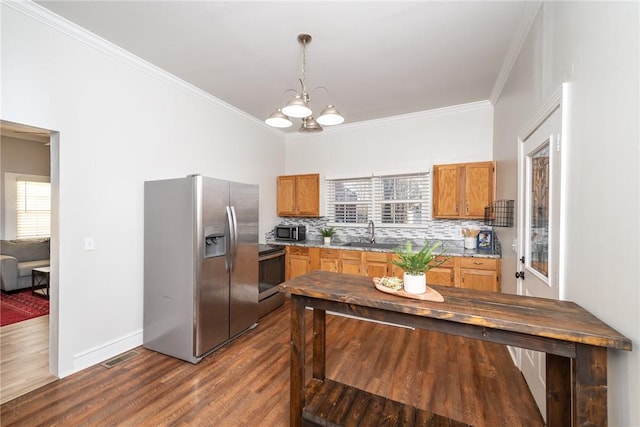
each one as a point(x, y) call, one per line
point(453, 247)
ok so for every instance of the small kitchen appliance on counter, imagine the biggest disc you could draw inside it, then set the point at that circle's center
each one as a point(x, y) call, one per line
point(290, 233)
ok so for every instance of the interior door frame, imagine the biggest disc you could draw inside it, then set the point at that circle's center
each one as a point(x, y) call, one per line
point(559, 100)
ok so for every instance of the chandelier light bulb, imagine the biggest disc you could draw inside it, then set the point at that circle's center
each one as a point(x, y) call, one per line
point(297, 108)
point(330, 116)
point(278, 119)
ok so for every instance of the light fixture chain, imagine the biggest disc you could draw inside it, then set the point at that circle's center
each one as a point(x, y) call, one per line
point(304, 66)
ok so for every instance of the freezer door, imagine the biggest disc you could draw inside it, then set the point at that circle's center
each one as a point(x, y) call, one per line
point(244, 275)
point(211, 326)
point(169, 273)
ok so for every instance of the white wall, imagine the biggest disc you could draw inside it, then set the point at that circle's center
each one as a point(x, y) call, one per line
point(24, 157)
point(594, 47)
point(120, 122)
point(413, 142)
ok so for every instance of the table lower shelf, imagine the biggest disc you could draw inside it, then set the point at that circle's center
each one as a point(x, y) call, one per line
point(330, 403)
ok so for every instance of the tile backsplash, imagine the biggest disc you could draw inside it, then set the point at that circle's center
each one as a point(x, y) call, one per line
point(438, 229)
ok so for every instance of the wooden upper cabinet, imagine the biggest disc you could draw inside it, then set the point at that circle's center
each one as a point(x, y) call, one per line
point(299, 195)
point(463, 190)
point(480, 188)
point(446, 191)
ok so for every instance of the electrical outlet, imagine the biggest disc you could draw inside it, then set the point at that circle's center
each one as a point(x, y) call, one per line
point(88, 243)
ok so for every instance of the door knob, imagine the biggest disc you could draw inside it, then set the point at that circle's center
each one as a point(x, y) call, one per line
point(520, 275)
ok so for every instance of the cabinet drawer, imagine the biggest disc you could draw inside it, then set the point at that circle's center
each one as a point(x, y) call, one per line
point(479, 263)
point(297, 250)
point(450, 262)
point(352, 255)
point(330, 253)
point(375, 256)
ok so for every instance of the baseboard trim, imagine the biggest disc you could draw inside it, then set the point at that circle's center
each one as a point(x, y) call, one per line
point(104, 352)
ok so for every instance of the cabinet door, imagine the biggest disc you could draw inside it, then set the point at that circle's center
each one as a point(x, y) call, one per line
point(446, 191)
point(376, 268)
point(329, 264)
point(298, 265)
point(376, 264)
point(443, 276)
point(352, 266)
point(484, 280)
point(308, 195)
point(479, 188)
point(286, 195)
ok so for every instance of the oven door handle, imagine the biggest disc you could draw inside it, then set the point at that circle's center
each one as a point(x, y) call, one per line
point(270, 256)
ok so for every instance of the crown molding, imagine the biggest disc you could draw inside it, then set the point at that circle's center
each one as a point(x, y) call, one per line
point(41, 14)
point(528, 17)
point(454, 109)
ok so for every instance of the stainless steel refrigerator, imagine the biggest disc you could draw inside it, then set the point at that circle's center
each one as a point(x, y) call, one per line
point(200, 264)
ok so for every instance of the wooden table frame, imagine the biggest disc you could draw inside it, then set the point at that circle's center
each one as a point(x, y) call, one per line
point(41, 279)
point(575, 341)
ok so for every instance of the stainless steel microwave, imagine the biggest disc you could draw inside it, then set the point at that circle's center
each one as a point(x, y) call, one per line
point(291, 232)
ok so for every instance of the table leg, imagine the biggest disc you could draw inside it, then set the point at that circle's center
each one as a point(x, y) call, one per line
point(319, 343)
point(297, 361)
point(558, 377)
point(590, 386)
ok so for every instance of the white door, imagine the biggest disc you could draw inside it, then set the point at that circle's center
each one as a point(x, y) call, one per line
point(539, 202)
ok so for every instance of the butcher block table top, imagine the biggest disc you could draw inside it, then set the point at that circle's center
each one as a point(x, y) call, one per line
point(574, 340)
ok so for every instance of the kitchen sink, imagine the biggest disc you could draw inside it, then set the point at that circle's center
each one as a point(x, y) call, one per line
point(371, 245)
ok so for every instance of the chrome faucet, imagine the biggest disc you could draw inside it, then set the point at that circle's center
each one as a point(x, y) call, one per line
point(371, 229)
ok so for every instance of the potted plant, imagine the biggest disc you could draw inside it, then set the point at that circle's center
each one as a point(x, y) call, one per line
point(327, 234)
point(416, 264)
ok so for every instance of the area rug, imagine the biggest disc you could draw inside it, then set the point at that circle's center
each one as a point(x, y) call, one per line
point(21, 306)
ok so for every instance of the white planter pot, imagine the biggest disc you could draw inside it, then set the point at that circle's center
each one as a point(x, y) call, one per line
point(327, 240)
point(415, 284)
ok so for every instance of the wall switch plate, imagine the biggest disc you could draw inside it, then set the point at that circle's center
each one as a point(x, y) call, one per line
point(88, 243)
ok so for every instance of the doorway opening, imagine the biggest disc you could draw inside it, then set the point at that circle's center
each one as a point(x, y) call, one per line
point(30, 151)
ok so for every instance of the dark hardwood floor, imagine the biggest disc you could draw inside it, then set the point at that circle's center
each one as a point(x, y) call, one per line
point(247, 382)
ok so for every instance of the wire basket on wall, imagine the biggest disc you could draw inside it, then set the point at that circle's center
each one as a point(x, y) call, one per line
point(499, 213)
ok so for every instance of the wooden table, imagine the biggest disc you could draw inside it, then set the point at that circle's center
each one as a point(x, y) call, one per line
point(40, 279)
point(575, 341)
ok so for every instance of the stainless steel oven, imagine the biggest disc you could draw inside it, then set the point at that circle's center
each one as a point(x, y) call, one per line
point(271, 274)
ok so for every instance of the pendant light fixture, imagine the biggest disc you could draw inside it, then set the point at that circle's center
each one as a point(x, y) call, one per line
point(298, 106)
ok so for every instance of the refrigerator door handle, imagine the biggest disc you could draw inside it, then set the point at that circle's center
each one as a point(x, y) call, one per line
point(235, 235)
point(229, 259)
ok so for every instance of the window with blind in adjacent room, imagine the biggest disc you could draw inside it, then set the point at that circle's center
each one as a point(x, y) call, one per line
point(388, 200)
point(33, 209)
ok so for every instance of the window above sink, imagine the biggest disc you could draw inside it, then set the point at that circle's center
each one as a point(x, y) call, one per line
point(399, 200)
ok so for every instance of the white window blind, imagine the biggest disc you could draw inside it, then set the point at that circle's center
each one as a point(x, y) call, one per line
point(350, 200)
point(33, 209)
point(388, 200)
point(402, 199)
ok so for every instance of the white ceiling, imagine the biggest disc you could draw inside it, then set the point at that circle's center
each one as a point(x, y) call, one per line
point(378, 59)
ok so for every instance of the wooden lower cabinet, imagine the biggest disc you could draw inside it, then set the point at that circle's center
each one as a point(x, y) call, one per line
point(483, 280)
point(375, 264)
point(298, 261)
point(480, 273)
point(330, 260)
point(462, 272)
point(351, 262)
